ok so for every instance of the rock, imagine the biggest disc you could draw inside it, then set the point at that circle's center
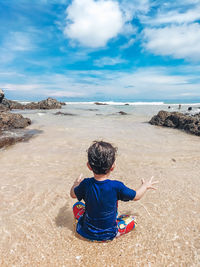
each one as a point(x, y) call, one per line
point(10, 121)
point(49, 103)
point(99, 103)
point(190, 124)
point(126, 104)
point(3, 107)
point(10, 104)
point(122, 113)
point(160, 118)
point(12, 137)
point(1, 95)
point(190, 108)
point(64, 113)
point(169, 107)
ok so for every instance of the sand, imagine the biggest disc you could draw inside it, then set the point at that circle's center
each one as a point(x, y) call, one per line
point(36, 221)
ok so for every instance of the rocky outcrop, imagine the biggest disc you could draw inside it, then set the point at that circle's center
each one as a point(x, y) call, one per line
point(1, 95)
point(100, 104)
point(122, 113)
point(64, 113)
point(12, 137)
point(10, 104)
point(3, 107)
point(188, 123)
point(10, 121)
point(49, 103)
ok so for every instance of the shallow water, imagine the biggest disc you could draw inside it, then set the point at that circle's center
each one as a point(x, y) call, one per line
point(36, 220)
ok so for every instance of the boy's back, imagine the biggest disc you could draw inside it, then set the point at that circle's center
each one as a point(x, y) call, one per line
point(99, 219)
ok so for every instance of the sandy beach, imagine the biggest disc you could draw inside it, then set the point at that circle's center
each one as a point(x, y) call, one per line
point(36, 221)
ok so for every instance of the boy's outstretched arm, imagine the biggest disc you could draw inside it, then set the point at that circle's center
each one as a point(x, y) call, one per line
point(76, 183)
point(144, 187)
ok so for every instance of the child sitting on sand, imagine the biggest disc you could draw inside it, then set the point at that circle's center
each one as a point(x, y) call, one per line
point(97, 218)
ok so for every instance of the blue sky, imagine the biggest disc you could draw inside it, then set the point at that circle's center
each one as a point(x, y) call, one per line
point(103, 49)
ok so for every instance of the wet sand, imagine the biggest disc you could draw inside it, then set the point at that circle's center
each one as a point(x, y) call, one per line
point(36, 222)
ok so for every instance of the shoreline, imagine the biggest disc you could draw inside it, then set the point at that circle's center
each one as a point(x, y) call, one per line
point(121, 103)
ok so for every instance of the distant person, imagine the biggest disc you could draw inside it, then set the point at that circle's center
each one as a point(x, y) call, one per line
point(179, 106)
point(98, 219)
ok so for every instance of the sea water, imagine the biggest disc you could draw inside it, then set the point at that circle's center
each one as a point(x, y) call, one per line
point(36, 219)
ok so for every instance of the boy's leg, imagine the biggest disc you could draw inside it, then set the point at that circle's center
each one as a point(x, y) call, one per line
point(78, 209)
point(125, 223)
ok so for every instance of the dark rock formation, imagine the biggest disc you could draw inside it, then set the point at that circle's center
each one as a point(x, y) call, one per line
point(190, 124)
point(1, 95)
point(49, 103)
point(9, 121)
point(99, 103)
point(10, 104)
point(12, 137)
point(126, 104)
point(3, 107)
point(190, 108)
point(122, 113)
point(64, 113)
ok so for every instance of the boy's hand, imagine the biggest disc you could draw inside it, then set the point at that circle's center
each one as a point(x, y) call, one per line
point(78, 180)
point(150, 184)
point(76, 183)
point(144, 187)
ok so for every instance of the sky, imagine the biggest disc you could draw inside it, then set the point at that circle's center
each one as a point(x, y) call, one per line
point(137, 50)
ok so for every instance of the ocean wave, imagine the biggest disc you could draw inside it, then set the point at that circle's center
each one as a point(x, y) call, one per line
point(115, 103)
point(136, 103)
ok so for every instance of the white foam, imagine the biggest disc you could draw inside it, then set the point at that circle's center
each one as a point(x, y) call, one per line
point(116, 103)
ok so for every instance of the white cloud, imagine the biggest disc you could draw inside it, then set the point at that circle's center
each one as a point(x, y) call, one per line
point(19, 87)
point(18, 41)
point(177, 41)
point(64, 94)
point(174, 16)
point(159, 82)
point(93, 23)
point(15, 43)
point(109, 61)
point(128, 44)
point(134, 7)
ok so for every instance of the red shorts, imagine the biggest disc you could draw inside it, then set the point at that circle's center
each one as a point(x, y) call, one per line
point(125, 223)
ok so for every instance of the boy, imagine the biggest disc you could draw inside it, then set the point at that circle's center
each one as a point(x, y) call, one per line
point(97, 218)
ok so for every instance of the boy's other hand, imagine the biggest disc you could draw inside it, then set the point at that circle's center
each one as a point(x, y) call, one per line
point(78, 180)
point(150, 184)
point(76, 183)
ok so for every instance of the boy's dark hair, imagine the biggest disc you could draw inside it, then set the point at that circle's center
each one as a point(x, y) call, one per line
point(101, 156)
